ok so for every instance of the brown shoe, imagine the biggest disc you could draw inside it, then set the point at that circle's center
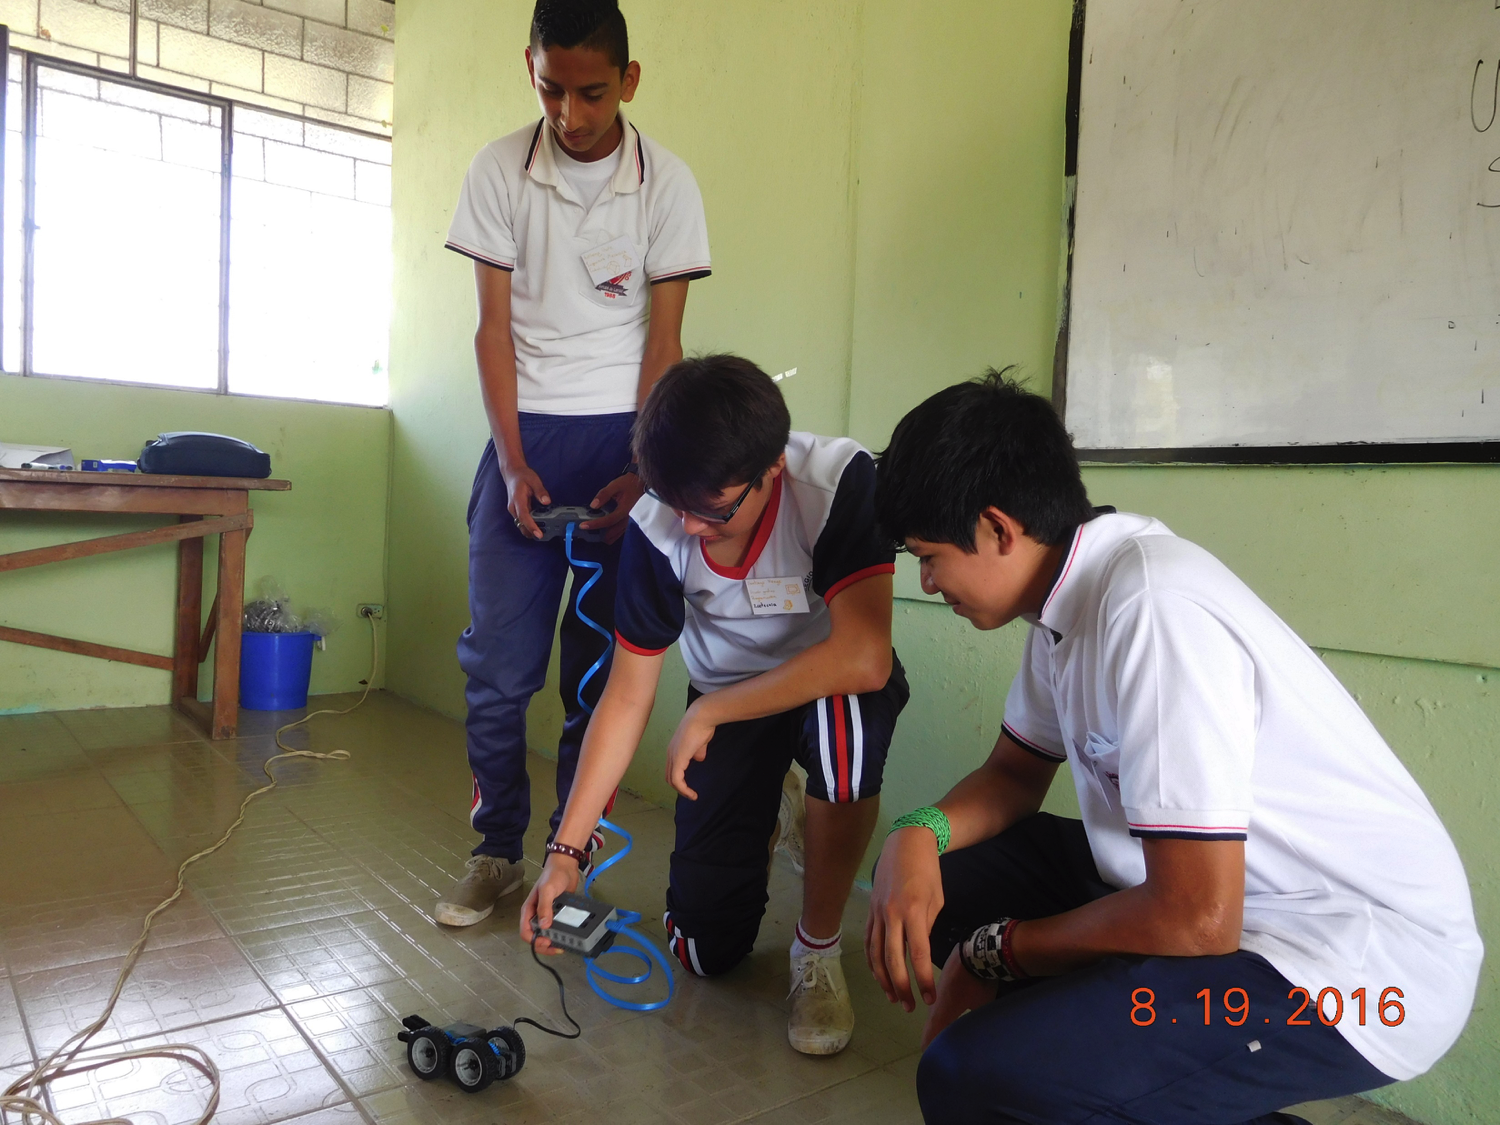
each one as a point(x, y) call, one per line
point(474, 896)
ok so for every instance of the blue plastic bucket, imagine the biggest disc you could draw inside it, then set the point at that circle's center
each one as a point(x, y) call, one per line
point(274, 670)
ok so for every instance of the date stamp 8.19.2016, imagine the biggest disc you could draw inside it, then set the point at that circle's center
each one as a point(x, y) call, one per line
point(1328, 1008)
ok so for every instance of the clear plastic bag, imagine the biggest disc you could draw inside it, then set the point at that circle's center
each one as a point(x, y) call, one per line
point(271, 611)
point(320, 621)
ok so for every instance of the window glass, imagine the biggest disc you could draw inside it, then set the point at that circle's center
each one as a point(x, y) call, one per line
point(126, 250)
point(310, 261)
point(14, 204)
point(127, 240)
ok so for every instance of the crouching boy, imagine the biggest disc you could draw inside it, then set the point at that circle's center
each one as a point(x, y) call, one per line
point(757, 549)
point(1258, 908)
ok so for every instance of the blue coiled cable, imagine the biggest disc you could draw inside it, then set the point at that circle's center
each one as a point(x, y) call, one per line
point(609, 640)
point(622, 925)
point(624, 920)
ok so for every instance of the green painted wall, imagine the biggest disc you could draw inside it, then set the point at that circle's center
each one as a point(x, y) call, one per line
point(884, 199)
point(960, 177)
point(324, 540)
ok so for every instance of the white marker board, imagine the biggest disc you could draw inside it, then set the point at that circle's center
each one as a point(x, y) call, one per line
point(1287, 229)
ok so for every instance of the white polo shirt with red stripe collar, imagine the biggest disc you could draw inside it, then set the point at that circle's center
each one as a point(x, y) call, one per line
point(817, 532)
point(1187, 709)
point(580, 274)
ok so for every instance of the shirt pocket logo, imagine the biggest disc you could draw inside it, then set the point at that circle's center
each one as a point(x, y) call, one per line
point(614, 271)
point(1101, 757)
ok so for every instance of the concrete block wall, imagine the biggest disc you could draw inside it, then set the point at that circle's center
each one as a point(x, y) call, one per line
point(332, 60)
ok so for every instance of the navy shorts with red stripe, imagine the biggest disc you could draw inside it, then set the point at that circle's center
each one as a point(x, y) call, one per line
point(717, 895)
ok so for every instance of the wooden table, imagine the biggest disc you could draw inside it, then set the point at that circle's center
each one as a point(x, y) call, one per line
point(203, 506)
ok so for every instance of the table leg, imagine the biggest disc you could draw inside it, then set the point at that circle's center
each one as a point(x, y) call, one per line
point(227, 644)
point(189, 617)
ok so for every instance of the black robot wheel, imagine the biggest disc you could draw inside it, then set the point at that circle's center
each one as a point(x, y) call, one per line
point(427, 1054)
point(473, 1065)
point(510, 1040)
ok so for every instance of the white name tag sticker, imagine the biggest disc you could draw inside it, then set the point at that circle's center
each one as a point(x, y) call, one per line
point(776, 595)
point(611, 264)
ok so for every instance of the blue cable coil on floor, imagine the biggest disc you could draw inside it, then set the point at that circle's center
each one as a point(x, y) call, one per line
point(624, 921)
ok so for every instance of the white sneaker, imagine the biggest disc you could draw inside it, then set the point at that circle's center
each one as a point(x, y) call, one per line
point(791, 819)
point(822, 1017)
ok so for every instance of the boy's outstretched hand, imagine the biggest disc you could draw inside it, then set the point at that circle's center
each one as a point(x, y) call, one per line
point(907, 896)
point(559, 876)
point(689, 743)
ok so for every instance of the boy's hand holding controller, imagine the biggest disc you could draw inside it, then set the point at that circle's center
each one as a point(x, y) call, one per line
point(553, 523)
point(559, 876)
point(622, 492)
point(525, 490)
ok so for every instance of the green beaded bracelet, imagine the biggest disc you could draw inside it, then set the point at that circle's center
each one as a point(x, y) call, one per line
point(928, 817)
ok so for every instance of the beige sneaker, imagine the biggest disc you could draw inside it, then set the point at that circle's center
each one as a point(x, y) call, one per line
point(822, 1017)
point(791, 819)
point(474, 896)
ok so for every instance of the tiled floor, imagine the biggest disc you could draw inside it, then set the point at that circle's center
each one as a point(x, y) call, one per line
point(301, 944)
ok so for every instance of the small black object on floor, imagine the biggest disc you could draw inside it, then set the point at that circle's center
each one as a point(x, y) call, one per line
point(471, 1056)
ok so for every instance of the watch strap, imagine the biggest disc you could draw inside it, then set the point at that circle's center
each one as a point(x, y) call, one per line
point(987, 952)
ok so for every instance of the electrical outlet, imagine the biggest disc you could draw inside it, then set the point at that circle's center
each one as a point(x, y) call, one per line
point(372, 609)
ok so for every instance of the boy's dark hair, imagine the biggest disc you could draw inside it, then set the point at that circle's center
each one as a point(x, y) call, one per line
point(598, 25)
point(710, 422)
point(981, 443)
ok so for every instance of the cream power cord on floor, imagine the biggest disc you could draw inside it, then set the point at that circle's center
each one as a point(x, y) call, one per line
point(24, 1096)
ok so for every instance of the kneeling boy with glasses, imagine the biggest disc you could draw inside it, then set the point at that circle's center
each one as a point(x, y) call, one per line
point(757, 549)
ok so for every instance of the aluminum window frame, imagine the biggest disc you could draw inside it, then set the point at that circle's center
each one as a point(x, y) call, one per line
point(33, 63)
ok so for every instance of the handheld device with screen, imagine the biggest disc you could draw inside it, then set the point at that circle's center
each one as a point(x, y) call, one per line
point(580, 924)
point(587, 926)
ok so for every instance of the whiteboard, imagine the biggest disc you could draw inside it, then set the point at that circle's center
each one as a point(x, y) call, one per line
point(1287, 227)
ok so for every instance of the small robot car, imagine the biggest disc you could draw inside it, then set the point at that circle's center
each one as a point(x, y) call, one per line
point(471, 1056)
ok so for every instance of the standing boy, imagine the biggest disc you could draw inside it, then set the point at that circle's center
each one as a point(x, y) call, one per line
point(757, 548)
point(584, 235)
point(1259, 906)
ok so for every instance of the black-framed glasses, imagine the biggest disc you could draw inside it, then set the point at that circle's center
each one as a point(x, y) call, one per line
point(711, 517)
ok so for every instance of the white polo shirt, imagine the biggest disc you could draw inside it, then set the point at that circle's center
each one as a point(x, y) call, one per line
point(580, 274)
point(817, 535)
point(1187, 709)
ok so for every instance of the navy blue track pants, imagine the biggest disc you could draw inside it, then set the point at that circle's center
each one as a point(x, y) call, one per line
point(717, 894)
point(1122, 1042)
point(515, 588)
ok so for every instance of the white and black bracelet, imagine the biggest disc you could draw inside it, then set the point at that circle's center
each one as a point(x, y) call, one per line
point(986, 953)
